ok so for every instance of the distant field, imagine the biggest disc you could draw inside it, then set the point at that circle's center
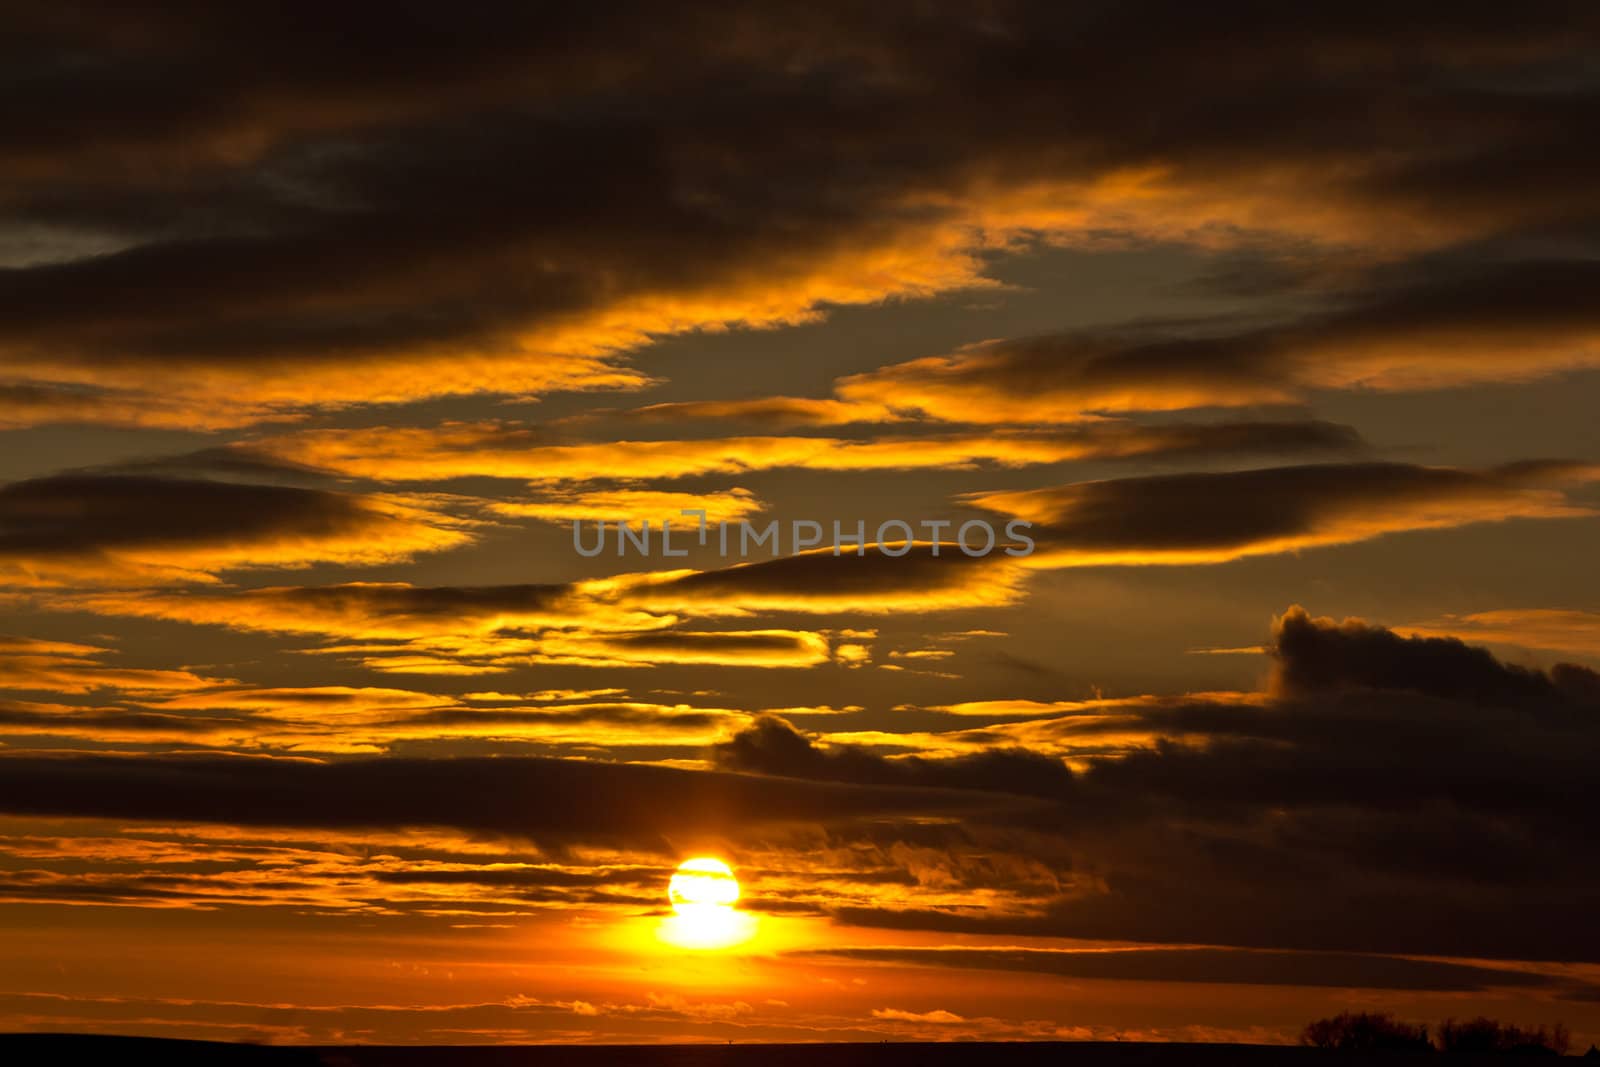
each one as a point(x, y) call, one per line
point(19, 1050)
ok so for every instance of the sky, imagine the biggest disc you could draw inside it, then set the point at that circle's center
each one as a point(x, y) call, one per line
point(1264, 338)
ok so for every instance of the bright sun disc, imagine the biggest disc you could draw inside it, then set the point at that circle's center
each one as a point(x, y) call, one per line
point(702, 883)
point(703, 892)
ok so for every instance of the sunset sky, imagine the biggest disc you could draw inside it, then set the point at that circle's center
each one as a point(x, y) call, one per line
point(319, 327)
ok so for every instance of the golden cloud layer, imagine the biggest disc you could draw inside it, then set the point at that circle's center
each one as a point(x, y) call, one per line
point(1554, 629)
point(501, 450)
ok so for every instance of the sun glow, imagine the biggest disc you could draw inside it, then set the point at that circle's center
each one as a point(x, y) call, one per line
point(703, 892)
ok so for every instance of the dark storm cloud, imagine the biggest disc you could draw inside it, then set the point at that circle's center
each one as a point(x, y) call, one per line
point(1332, 969)
point(546, 800)
point(534, 188)
point(1377, 801)
point(109, 529)
point(1219, 516)
point(1315, 657)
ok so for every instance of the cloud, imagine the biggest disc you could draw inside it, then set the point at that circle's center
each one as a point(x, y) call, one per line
point(589, 726)
point(1506, 323)
point(110, 530)
point(503, 652)
point(751, 648)
point(403, 628)
point(501, 450)
point(766, 410)
point(370, 610)
point(1321, 655)
point(1222, 516)
point(1388, 795)
point(1007, 708)
point(639, 618)
point(818, 581)
point(530, 798)
point(636, 603)
point(772, 746)
point(1327, 969)
point(624, 620)
point(329, 705)
point(1078, 732)
point(64, 667)
point(635, 506)
point(531, 237)
point(367, 719)
point(118, 726)
point(26, 404)
point(938, 1015)
point(216, 217)
point(1554, 629)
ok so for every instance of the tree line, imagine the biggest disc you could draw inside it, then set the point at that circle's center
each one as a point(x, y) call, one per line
point(1382, 1032)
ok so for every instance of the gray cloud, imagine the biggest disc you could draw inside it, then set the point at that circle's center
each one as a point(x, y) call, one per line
point(545, 800)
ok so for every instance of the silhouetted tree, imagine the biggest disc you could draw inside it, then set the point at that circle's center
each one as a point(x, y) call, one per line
point(1482, 1035)
point(1366, 1032)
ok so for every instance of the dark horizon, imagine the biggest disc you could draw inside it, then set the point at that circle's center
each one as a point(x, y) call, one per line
point(177, 1052)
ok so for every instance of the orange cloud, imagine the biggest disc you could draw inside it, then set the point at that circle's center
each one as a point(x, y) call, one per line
point(499, 450)
point(633, 506)
point(875, 582)
point(1509, 323)
point(330, 706)
point(384, 611)
point(746, 648)
point(63, 667)
point(768, 410)
point(1553, 629)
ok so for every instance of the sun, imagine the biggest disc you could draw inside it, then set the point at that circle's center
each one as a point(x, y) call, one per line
point(703, 892)
point(703, 882)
